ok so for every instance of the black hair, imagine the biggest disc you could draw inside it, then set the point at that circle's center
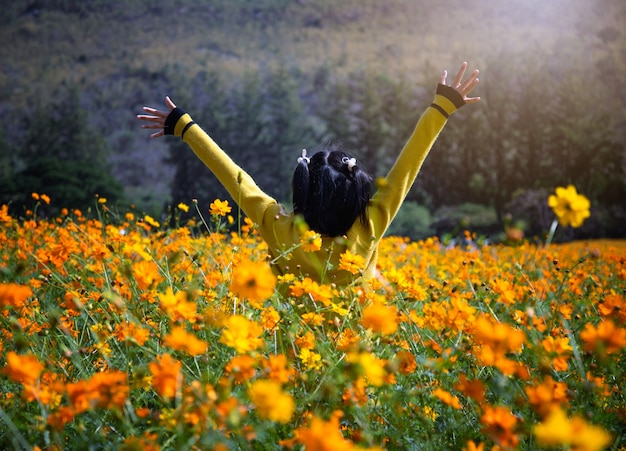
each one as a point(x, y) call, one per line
point(331, 191)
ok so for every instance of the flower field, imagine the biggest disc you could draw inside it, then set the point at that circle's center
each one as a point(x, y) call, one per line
point(121, 333)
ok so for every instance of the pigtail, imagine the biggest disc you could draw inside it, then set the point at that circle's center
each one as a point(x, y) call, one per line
point(363, 187)
point(300, 186)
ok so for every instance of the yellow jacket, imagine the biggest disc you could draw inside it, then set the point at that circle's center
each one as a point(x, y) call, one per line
point(282, 231)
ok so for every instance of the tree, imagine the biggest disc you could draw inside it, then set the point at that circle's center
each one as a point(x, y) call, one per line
point(63, 157)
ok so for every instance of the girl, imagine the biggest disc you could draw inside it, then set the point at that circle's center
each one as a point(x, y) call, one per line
point(331, 193)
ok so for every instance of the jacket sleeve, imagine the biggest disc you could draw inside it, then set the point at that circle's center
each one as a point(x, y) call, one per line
point(239, 184)
point(390, 196)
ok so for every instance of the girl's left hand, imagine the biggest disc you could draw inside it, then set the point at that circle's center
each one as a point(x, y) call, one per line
point(156, 118)
point(463, 87)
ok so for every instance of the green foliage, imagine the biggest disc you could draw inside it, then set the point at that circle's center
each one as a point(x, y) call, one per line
point(61, 156)
point(456, 219)
point(413, 221)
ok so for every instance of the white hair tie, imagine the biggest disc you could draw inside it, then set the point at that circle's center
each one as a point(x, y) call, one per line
point(304, 157)
point(351, 162)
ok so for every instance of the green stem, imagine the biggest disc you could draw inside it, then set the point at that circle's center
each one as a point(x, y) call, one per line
point(555, 223)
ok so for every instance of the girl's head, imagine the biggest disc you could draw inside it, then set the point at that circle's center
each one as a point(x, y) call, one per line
point(331, 191)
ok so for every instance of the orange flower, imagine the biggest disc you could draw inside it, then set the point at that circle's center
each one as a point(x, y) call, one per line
point(471, 446)
point(131, 331)
point(15, 295)
point(348, 339)
point(146, 274)
point(497, 340)
point(278, 368)
point(606, 338)
point(241, 334)
point(219, 207)
point(380, 318)
point(352, 263)
point(613, 304)
point(356, 393)
point(474, 389)
point(57, 420)
point(559, 349)
point(177, 306)
point(311, 241)
point(4, 214)
point(323, 435)
point(547, 395)
point(505, 290)
point(110, 389)
point(253, 281)
point(270, 401)
point(317, 292)
point(166, 375)
point(406, 362)
point(181, 340)
point(270, 318)
point(447, 398)
point(24, 369)
point(499, 423)
point(241, 368)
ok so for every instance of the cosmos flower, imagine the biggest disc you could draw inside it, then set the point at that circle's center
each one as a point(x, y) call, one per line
point(241, 334)
point(570, 208)
point(219, 207)
point(559, 430)
point(166, 375)
point(253, 280)
point(380, 318)
point(181, 340)
point(270, 401)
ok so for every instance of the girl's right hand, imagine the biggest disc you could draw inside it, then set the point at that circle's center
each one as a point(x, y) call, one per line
point(156, 118)
point(463, 87)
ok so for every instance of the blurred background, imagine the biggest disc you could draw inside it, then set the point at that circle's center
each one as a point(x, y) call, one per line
point(266, 78)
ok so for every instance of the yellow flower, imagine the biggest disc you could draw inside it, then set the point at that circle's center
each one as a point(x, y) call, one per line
point(219, 207)
point(270, 401)
point(311, 360)
point(151, 221)
point(371, 367)
point(352, 263)
point(311, 241)
point(241, 334)
point(183, 207)
point(253, 281)
point(570, 208)
point(557, 429)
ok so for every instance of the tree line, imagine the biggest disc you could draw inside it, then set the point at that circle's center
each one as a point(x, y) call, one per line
point(532, 131)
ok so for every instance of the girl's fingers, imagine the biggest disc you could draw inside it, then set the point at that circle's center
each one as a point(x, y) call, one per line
point(459, 76)
point(169, 103)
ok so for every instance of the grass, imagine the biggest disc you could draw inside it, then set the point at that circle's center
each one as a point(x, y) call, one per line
point(120, 333)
